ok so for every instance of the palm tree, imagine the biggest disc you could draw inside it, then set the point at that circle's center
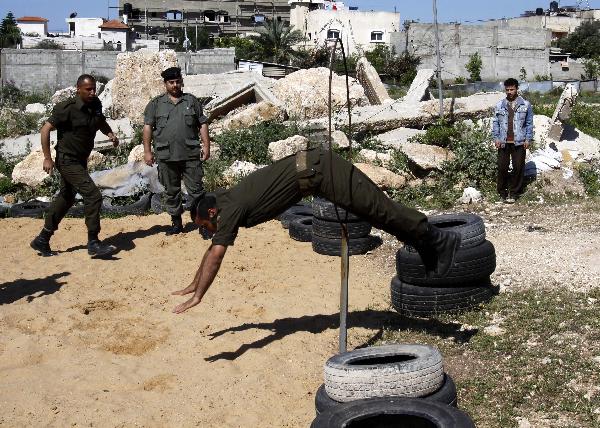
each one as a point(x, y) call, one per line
point(276, 41)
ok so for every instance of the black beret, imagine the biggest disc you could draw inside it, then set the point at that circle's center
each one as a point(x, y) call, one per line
point(171, 73)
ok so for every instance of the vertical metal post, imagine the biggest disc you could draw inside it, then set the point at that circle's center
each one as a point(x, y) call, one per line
point(439, 65)
point(146, 17)
point(344, 291)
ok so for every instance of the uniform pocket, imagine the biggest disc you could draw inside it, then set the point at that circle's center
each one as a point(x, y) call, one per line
point(162, 150)
point(190, 118)
point(161, 121)
point(192, 148)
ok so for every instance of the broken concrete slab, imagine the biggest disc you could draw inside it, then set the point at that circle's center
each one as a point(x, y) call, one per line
point(253, 114)
point(247, 94)
point(375, 158)
point(419, 88)
point(137, 80)
point(425, 156)
point(305, 93)
point(212, 86)
point(396, 137)
point(129, 179)
point(37, 108)
point(562, 112)
point(383, 178)
point(289, 146)
point(106, 99)
point(579, 146)
point(470, 196)
point(238, 170)
point(416, 115)
point(136, 154)
point(371, 82)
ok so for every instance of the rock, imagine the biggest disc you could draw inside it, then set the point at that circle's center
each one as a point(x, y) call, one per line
point(561, 182)
point(339, 139)
point(106, 99)
point(30, 170)
point(375, 158)
point(304, 93)
point(289, 146)
point(37, 108)
point(10, 199)
point(562, 112)
point(127, 180)
point(426, 157)
point(137, 80)
point(62, 95)
point(136, 154)
point(238, 170)
point(371, 82)
point(95, 159)
point(255, 113)
point(396, 137)
point(470, 196)
point(494, 330)
point(419, 88)
point(384, 178)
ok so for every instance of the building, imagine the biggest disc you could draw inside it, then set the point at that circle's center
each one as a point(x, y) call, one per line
point(33, 26)
point(84, 27)
point(153, 19)
point(322, 20)
point(116, 34)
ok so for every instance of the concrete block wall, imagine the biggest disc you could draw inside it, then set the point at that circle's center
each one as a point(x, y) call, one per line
point(50, 70)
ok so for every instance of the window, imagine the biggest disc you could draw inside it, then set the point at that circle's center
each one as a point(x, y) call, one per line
point(210, 16)
point(174, 15)
point(377, 36)
point(333, 34)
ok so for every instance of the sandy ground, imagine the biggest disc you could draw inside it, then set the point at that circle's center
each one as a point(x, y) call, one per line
point(94, 343)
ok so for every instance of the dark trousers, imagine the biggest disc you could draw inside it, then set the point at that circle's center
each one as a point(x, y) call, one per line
point(510, 184)
point(342, 183)
point(74, 178)
point(170, 175)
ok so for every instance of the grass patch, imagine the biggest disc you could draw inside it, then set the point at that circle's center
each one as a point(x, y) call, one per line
point(541, 367)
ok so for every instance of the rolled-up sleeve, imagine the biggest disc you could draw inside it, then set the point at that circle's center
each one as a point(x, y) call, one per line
point(59, 115)
point(150, 114)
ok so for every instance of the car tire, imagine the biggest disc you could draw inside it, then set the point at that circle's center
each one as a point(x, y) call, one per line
point(301, 210)
point(333, 229)
point(326, 210)
point(333, 247)
point(32, 209)
point(301, 229)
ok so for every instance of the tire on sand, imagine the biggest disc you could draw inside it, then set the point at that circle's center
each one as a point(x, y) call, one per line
point(301, 229)
point(326, 210)
point(401, 370)
point(332, 229)
point(333, 247)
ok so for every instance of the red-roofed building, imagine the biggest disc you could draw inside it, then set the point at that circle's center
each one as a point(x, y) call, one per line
point(116, 33)
point(33, 25)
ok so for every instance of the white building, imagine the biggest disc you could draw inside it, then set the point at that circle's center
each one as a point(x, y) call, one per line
point(33, 26)
point(84, 27)
point(320, 20)
point(116, 33)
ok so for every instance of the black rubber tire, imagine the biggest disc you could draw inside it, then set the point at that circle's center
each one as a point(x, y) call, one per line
point(332, 229)
point(333, 247)
point(400, 370)
point(470, 227)
point(413, 300)
point(294, 212)
point(301, 229)
point(140, 207)
point(4, 209)
point(325, 210)
point(446, 395)
point(393, 412)
point(32, 209)
point(157, 205)
point(470, 265)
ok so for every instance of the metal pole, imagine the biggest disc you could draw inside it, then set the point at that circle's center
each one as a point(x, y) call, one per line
point(345, 266)
point(146, 17)
point(439, 65)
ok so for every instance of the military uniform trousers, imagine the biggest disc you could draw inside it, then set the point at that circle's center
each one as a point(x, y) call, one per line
point(74, 178)
point(344, 184)
point(170, 174)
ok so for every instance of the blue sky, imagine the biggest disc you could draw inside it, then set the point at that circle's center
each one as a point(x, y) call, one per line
point(448, 10)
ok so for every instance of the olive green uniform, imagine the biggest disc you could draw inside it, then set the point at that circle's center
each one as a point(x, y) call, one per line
point(175, 135)
point(76, 124)
point(268, 192)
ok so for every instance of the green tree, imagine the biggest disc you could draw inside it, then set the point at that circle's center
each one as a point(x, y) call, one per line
point(591, 67)
point(204, 40)
point(10, 35)
point(276, 40)
point(473, 66)
point(584, 42)
point(244, 48)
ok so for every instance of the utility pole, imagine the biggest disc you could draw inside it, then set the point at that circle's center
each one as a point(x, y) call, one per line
point(439, 65)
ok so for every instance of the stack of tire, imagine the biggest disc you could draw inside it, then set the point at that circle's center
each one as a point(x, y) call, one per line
point(391, 385)
point(327, 231)
point(298, 220)
point(466, 286)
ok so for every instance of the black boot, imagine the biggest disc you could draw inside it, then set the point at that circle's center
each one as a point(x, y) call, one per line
point(176, 225)
point(437, 249)
point(98, 249)
point(41, 243)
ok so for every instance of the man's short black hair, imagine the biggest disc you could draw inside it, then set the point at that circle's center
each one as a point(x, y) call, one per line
point(201, 205)
point(511, 82)
point(85, 77)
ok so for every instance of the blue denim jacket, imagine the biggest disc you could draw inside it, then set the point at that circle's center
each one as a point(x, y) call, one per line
point(522, 123)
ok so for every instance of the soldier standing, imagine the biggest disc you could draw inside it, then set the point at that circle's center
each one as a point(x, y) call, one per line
point(77, 121)
point(175, 123)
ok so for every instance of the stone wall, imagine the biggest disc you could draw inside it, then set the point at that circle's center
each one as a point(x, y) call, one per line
point(41, 69)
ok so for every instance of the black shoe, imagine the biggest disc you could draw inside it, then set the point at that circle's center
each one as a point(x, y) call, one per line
point(98, 249)
point(42, 246)
point(437, 250)
point(176, 226)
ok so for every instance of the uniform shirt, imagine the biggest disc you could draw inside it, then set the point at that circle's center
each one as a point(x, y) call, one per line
point(259, 197)
point(175, 126)
point(76, 124)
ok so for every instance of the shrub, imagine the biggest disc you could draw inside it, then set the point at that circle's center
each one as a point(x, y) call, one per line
point(47, 44)
point(473, 66)
point(15, 123)
point(441, 134)
point(590, 178)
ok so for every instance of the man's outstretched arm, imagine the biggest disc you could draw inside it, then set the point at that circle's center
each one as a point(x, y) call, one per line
point(211, 263)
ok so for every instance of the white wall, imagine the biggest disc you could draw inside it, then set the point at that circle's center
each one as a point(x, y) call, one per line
point(39, 28)
point(115, 36)
point(86, 27)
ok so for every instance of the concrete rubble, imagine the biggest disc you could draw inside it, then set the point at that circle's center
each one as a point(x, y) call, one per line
point(419, 88)
point(384, 178)
point(106, 99)
point(37, 108)
point(136, 154)
point(339, 139)
point(562, 112)
point(289, 146)
point(238, 170)
point(426, 157)
point(129, 179)
point(376, 158)
point(137, 80)
point(371, 82)
point(470, 196)
point(305, 93)
point(396, 137)
point(251, 115)
point(575, 145)
point(416, 115)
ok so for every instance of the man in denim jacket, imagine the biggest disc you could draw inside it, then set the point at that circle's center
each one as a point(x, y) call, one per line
point(512, 132)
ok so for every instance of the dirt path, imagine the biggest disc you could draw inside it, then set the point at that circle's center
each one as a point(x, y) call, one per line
point(93, 343)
